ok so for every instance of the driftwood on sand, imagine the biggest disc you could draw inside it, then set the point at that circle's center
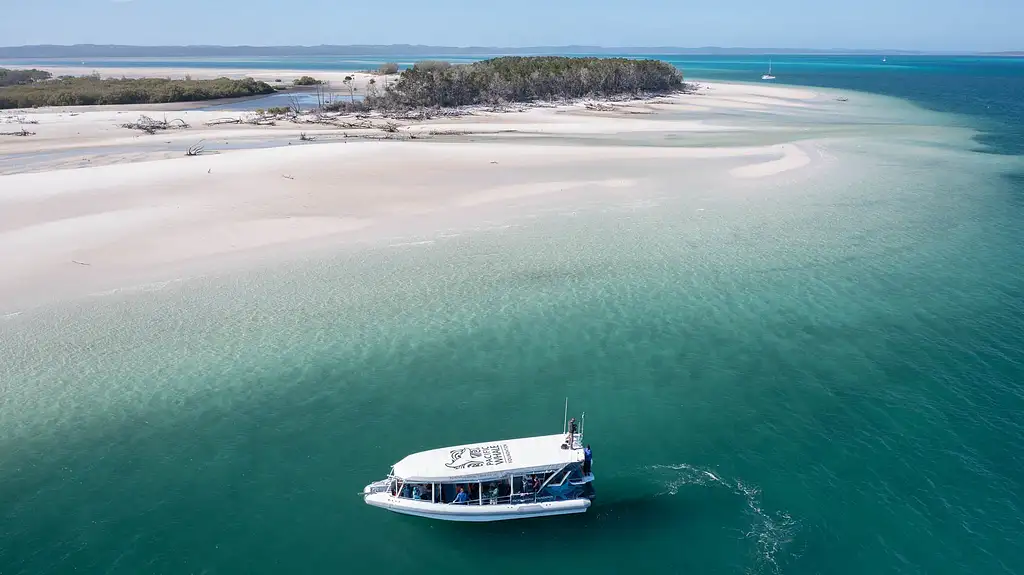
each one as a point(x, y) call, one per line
point(195, 149)
point(152, 126)
point(252, 120)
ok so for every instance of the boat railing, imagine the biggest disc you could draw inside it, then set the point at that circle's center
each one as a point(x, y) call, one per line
point(380, 486)
point(577, 441)
point(515, 499)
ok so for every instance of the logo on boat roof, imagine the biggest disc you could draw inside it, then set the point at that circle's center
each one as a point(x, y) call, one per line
point(479, 456)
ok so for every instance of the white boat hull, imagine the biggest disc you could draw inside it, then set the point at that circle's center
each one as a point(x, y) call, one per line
point(475, 513)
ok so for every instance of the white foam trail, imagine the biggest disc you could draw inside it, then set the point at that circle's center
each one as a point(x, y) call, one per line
point(771, 533)
point(407, 244)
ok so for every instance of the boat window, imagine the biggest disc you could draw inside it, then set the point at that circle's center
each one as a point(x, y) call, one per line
point(498, 491)
point(418, 491)
point(528, 483)
point(447, 494)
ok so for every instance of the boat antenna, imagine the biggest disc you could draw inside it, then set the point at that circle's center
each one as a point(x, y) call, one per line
point(565, 416)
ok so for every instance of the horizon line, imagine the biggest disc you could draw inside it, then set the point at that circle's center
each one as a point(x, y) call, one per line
point(501, 49)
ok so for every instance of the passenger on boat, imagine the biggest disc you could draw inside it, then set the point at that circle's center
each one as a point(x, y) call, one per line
point(461, 498)
point(588, 457)
point(416, 492)
point(572, 432)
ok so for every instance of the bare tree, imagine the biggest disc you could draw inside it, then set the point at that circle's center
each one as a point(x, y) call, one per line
point(351, 88)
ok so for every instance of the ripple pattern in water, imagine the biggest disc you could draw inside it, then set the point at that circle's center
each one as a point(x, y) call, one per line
point(823, 376)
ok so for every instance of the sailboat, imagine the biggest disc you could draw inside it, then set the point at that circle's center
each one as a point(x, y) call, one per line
point(768, 76)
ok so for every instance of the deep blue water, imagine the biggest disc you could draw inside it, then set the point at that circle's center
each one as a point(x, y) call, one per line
point(987, 90)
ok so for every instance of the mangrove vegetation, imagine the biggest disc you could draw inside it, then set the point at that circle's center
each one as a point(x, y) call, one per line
point(34, 90)
point(429, 84)
point(515, 79)
point(20, 77)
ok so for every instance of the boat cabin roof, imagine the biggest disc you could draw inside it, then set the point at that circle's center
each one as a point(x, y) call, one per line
point(490, 459)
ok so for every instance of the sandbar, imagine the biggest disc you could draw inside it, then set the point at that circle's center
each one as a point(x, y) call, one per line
point(87, 206)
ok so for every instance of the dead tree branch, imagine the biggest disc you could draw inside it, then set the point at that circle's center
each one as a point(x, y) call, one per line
point(195, 149)
point(254, 120)
point(151, 126)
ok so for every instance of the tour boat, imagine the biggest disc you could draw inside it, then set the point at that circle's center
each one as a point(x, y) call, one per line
point(491, 481)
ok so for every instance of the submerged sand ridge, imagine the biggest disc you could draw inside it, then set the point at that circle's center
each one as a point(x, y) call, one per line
point(155, 215)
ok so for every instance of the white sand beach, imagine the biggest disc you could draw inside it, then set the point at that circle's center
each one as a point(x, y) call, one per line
point(87, 206)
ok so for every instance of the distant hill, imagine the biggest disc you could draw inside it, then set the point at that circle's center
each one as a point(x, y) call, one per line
point(118, 51)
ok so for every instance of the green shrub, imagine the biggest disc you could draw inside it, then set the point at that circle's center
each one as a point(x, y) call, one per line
point(388, 68)
point(21, 77)
point(430, 65)
point(527, 79)
point(92, 90)
point(306, 81)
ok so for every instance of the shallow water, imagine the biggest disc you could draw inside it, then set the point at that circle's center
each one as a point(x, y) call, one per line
point(301, 100)
point(818, 372)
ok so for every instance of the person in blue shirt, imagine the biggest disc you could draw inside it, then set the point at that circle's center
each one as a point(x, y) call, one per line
point(588, 458)
point(461, 498)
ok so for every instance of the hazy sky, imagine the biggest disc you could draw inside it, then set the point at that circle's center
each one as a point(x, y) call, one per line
point(908, 24)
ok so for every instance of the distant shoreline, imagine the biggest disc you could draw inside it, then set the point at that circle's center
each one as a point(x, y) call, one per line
point(35, 52)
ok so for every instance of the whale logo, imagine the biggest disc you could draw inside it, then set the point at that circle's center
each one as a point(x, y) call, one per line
point(467, 457)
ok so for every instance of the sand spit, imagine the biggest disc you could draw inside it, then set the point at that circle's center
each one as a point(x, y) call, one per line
point(88, 206)
point(336, 78)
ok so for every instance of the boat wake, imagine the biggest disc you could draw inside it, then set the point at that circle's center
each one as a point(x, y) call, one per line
point(771, 533)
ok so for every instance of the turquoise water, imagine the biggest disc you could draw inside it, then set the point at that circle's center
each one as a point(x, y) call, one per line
point(803, 375)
